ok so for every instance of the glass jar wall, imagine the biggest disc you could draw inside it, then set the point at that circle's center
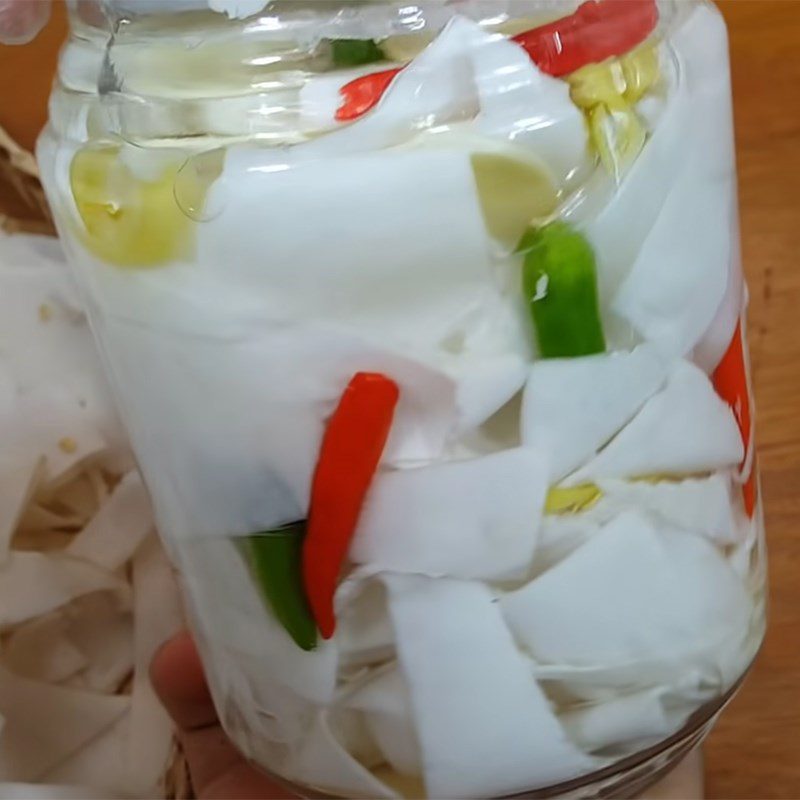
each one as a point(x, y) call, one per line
point(426, 323)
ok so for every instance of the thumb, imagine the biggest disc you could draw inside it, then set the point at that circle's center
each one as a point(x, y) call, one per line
point(21, 20)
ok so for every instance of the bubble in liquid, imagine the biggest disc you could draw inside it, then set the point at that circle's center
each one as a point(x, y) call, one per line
point(193, 182)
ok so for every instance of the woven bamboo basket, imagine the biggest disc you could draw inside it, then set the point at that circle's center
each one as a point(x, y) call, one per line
point(24, 209)
point(19, 184)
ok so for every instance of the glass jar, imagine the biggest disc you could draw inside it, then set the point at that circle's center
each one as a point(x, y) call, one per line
point(426, 323)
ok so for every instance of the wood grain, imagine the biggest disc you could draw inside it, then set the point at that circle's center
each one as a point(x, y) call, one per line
point(26, 74)
point(755, 750)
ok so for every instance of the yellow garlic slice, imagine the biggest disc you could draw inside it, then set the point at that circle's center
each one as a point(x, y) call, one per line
point(127, 221)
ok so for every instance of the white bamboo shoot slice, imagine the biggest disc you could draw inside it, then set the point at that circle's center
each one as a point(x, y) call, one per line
point(484, 725)
point(474, 519)
point(698, 505)
point(386, 704)
point(684, 429)
point(114, 534)
point(634, 593)
point(573, 406)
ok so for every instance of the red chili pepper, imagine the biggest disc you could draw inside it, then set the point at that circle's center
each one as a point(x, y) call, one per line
point(730, 381)
point(595, 32)
point(348, 459)
point(750, 488)
point(598, 30)
point(363, 93)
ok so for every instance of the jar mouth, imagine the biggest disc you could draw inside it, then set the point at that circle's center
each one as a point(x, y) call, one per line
point(200, 53)
point(191, 69)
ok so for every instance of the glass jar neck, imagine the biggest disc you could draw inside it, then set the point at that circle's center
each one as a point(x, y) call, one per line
point(188, 69)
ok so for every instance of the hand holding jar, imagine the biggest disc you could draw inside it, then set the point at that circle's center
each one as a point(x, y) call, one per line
point(21, 20)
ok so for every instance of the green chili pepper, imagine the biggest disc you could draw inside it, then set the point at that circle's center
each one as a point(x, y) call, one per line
point(274, 558)
point(560, 284)
point(355, 52)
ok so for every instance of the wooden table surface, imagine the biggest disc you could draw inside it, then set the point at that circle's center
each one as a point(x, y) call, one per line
point(755, 750)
